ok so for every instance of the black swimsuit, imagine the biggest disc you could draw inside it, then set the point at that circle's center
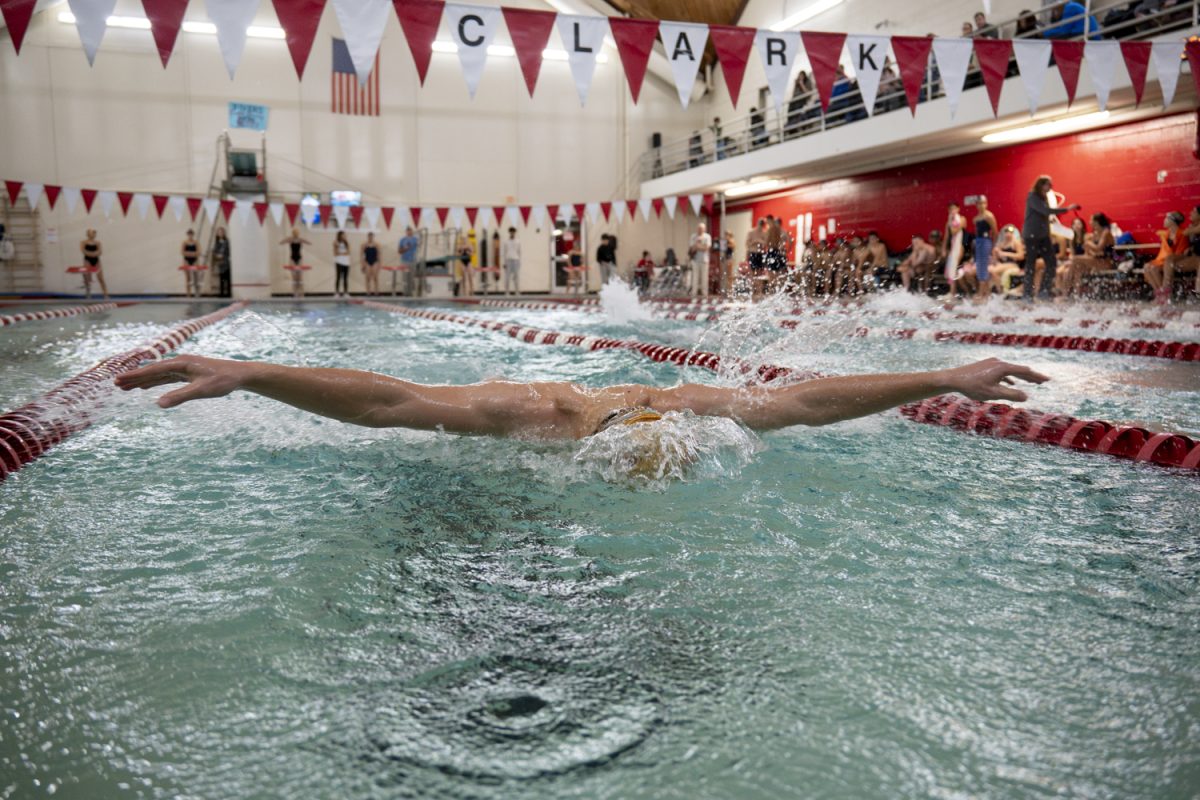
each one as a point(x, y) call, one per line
point(371, 254)
point(295, 253)
point(91, 254)
point(189, 253)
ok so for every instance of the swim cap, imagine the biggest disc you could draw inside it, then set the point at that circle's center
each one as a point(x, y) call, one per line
point(628, 416)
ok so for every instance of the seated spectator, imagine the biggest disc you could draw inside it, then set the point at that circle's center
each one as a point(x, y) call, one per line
point(1097, 252)
point(849, 273)
point(965, 281)
point(1173, 243)
point(968, 30)
point(1070, 19)
point(1007, 257)
point(919, 264)
point(1188, 262)
point(874, 257)
point(642, 272)
point(1027, 27)
point(983, 30)
point(1062, 279)
point(837, 263)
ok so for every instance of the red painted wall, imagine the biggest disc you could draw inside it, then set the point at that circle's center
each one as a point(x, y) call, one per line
point(1113, 170)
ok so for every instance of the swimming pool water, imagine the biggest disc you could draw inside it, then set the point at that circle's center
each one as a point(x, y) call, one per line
point(236, 599)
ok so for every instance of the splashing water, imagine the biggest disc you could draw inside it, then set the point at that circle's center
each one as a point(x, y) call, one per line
point(251, 335)
point(620, 302)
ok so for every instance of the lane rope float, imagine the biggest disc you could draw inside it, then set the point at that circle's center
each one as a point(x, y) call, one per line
point(56, 313)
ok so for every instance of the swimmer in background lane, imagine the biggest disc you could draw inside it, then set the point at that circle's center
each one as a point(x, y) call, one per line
point(561, 410)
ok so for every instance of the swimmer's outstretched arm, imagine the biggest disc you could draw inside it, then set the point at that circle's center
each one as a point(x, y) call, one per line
point(826, 400)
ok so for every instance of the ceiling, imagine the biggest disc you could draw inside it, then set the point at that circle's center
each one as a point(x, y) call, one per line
point(709, 12)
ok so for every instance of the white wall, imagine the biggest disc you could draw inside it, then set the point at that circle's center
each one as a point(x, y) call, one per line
point(129, 124)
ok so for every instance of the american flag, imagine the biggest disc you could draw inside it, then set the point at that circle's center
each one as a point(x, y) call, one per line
point(348, 97)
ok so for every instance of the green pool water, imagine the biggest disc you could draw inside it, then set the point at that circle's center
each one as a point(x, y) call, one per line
point(236, 599)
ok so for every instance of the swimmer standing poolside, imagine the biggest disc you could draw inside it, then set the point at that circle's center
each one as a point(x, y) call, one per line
point(560, 410)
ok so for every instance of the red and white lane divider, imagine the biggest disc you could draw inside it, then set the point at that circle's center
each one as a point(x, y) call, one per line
point(992, 419)
point(29, 431)
point(55, 313)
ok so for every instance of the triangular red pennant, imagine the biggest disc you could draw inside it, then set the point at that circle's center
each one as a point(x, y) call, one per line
point(194, 204)
point(160, 204)
point(605, 209)
point(993, 55)
point(14, 190)
point(261, 210)
point(89, 197)
point(824, 52)
point(1193, 57)
point(525, 213)
point(683, 203)
point(1137, 61)
point(732, 44)
point(579, 209)
point(420, 20)
point(1068, 55)
point(125, 198)
point(16, 18)
point(292, 210)
point(325, 211)
point(472, 211)
point(706, 205)
point(657, 204)
point(227, 207)
point(52, 193)
point(635, 40)
point(632, 207)
point(165, 18)
point(553, 211)
point(356, 213)
point(912, 59)
point(387, 212)
point(442, 211)
point(530, 33)
point(498, 212)
point(299, 20)
point(416, 216)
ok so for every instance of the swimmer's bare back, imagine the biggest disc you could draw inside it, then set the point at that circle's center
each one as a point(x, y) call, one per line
point(560, 410)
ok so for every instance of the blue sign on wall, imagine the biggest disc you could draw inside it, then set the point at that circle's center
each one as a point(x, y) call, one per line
point(246, 115)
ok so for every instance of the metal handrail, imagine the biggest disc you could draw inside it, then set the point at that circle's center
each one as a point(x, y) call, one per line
point(801, 114)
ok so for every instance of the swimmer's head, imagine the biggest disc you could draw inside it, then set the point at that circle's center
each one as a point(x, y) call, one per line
point(647, 451)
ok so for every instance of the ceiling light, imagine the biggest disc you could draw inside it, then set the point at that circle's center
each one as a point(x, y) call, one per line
point(507, 51)
point(754, 187)
point(805, 14)
point(1054, 127)
point(141, 23)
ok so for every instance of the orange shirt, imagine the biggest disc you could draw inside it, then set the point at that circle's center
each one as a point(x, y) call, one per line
point(1179, 248)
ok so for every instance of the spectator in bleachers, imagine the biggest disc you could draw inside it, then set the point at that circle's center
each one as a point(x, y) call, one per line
point(758, 128)
point(1070, 20)
point(968, 30)
point(1027, 27)
point(642, 272)
point(1173, 243)
point(801, 95)
point(891, 88)
point(984, 30)
point(918, 264)
point(1007, 257)
point(1188, 262)
point(1097, 253)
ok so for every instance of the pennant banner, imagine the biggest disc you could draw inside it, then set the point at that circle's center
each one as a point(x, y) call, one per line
point(1167, 57)
point(142, 201)
point(299, 20)
point(912, 61)
point(472, 29)
point(419, 19)
point(33, 193)
point(867, 56)
point(993, 55)
point(91, 20)
point(684, 44)
point(635, 40)
point(1137, 63)
point(824, 56)
point(17, 14)
point(232, 18)
point(166, 17)
point(529, 31)
point(1068, 56)
point(178, 206)
point(778, 50)
point(1102, 58)
point(362, 24)
point(953, 56)
point(733, 51)
point(582, 37)
point(1033, 61)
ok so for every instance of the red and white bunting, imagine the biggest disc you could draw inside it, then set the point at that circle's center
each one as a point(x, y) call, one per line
point(340, 215)
point(260, 211)
point(472, 29)
point(778, 51)
point(178, 205)
point(593, 212)
point(212, 207)
point(912, 61)
point(142, 201)
point(386, 212)
point(232, 18)
point(539, 216)
point(697, 202)
point(644, 206)
point(362, 24)
point(867, 54)
point(1033, 61)
point(670, 202)
point(107, 199)
point(824, 52)
point(732, 44)
point(684, 44)
point(243, 208)
point(993, 55)
point(91, 20)
point(1137, 63)
point(582, 37)
point(618, 209)
point(166, 18)
point(276, 210)
point(89, 197)
point(1102, 58)
point(71, 198)
point(299, 20)
point(124, 198)
point(372, 213)
point(457, 216)
point(194, 205)
point(635, 41)
point(953, 56)
point(160, 204)
point(33, 193)
point(1167, 56)
point(419, 19)
point(52, 193)
point(17, 14)
point(1068, 56)
point(529, 31)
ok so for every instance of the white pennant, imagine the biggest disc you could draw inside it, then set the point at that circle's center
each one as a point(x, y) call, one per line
point(244, 207)
point(1033, 61)
point(142, 201)
point(276, 210)
point(645, 207)
point(178, 205)
point(341, 214)
point(232, 18)
point(953, 55)
point(513, 214)
point(472, 29)
point(33, 193)
point(539, 216)
point(670, 201)
point(91, 20)
point(867, 54)
point(696, 200)
point(684, 44)
point(1167, 58)
point(212, 208)
point(778, 51)
point(71, 195)
point(404, 216)
point(618, 209)
point(582, 37)
point(593, 212)
point(372, 215)
point(362, 24)
point(456, 215)
point(106, 199)
point(1102, 66)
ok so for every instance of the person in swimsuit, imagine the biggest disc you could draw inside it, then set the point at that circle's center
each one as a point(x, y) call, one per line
point(1097, 253)
point(985, 231)
point(1007, 257)
point(918, 264)
point(953, 237)
point(341, 263)
point(369, 257)
point(190, 250)
point(296, 243)
point(91, 249)
point(462, 271)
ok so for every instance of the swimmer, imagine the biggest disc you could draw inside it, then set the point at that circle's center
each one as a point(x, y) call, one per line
point(561, 410)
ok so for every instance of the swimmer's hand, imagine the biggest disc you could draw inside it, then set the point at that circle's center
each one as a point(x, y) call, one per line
point(991, 379)
point(205, 377)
